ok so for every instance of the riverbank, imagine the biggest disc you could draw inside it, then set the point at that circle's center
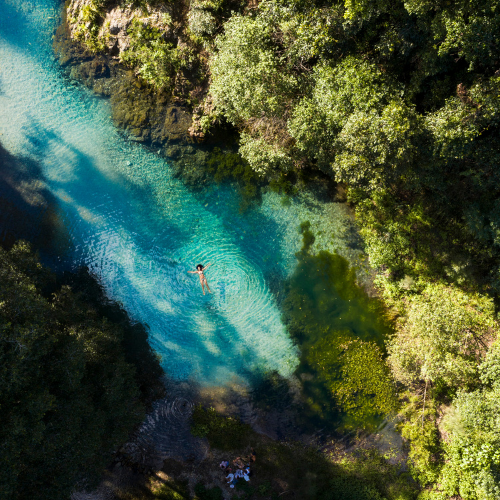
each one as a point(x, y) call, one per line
point(150, 116)
point(348, 469)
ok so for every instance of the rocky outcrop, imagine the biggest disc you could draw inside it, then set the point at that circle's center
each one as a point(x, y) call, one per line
point(114, 21)
point(153, 116)
point(167, 120)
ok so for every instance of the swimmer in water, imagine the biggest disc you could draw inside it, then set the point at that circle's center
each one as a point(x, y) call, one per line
point(203, 280)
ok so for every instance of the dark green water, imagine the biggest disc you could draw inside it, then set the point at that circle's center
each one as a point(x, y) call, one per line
point(340, 331)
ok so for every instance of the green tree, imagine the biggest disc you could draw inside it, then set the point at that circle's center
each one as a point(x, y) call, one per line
point(472, 465)
point(377, 150)
point(349, 95)
point(443, 338)
point(248, 80)
point(68, 398)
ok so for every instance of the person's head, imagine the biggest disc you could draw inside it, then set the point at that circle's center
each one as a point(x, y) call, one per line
point(199, 267)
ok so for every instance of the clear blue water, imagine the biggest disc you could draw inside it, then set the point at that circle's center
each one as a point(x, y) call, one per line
point(140, 230)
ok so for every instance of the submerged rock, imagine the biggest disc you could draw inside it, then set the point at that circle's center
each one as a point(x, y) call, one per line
point(177, 123)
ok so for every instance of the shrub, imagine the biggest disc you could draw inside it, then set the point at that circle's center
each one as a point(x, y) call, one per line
point(155, 59)
point(201, 22)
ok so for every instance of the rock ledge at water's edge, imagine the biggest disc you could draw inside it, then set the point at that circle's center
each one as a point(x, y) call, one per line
point(160, 118)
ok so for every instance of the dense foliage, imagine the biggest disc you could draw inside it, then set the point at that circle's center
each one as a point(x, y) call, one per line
point(68, 395)
point(156, 59)
point(400, 101)
point(443, 338)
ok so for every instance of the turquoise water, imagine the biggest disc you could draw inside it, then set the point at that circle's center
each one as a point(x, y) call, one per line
point(140, 230)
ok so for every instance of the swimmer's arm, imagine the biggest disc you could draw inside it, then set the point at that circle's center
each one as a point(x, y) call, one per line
point(192, 272)
point(209, 264)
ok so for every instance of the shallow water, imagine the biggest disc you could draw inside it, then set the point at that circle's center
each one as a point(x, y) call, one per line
point(140, 230)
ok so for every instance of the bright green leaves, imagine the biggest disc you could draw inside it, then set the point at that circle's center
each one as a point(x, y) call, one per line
point(364, 8)
point(251, 87)
point(202, 22)
point(473, 32)
point(453, 127)
point(376, 150)
point(353, 85)
point(89, 28)
point(247, 78)
point(417, 424)
point(443, 338)
point(421, 7)
point(155, 59)
point(305, 33)
point(490, 367)
point(472, 452)
point(356, 122)
point(262, 156)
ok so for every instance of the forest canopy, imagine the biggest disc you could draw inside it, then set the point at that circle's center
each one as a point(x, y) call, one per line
point(71, 389)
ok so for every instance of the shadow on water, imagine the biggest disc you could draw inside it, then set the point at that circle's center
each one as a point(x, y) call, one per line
point(246, 228)
point(108, 198)
point(28, 210)
point(205, 357)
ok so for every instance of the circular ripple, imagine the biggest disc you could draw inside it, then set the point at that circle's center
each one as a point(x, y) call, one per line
point(165, 433)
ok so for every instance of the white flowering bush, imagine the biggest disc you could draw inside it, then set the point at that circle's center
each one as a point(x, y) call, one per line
point(202, 23)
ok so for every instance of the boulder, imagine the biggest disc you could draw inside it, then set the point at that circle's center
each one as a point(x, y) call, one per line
point(177, 123)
